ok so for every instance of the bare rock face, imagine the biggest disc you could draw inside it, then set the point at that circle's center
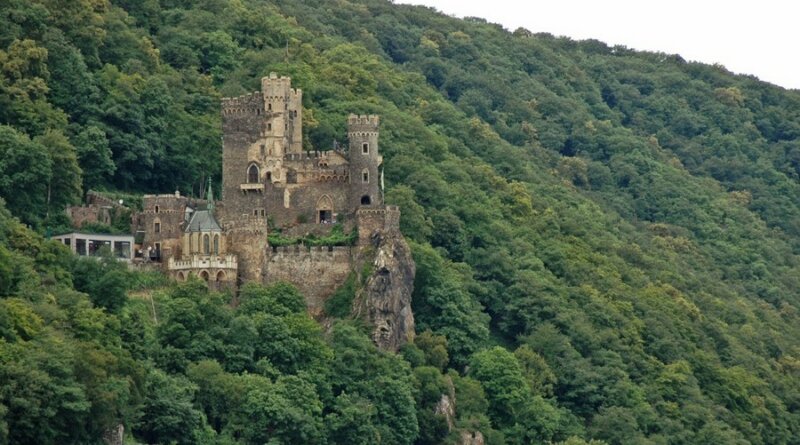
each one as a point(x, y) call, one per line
point(114, 436)
point(387, 292)
point(470, 438)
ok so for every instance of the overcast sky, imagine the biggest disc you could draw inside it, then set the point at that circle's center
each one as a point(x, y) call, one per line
point(751, 37)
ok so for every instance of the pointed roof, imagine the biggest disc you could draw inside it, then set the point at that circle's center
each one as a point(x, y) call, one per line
point(203, 221)
point(210, 197)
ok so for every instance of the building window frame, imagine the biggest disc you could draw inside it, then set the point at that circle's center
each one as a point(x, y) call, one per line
point(253, 174)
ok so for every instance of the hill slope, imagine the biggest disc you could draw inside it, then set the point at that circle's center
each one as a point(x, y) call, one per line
point(626, 223)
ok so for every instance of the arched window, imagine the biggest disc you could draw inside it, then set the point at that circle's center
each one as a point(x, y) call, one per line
point(325, 210)
point(365, 200)
point(181, 277)
point(221, 276)
point(157, 209)
point(206, 247)
point(204, 275)
point(365, 176)
point(252, 174)
point(269, 176)
point(216, 244)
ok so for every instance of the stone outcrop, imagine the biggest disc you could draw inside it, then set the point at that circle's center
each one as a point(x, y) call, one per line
point(446, 406)
point(472, 438)
point(387, 291)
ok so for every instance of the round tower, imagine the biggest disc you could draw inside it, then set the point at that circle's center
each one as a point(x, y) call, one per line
point(365, 161)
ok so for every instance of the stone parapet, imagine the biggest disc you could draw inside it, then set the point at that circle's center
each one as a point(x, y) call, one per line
point(196, 262)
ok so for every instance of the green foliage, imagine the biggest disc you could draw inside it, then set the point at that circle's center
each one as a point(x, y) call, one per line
point(336, 237)
point(622, 221)
point(340, 304)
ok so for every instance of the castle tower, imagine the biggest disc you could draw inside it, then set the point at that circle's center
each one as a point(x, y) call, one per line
point(366, 163)
point(283, 118)
point(258, 130)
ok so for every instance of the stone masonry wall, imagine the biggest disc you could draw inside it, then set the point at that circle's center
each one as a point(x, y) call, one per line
point(168, 211)
point(317, 271)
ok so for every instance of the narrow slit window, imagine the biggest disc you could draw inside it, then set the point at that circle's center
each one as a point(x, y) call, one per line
point(365, 176)
point(365, 148)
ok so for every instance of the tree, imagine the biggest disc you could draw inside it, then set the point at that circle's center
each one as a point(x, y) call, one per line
point(25, 169)
point(94, 157)
point(64, 187)
point(169, 414)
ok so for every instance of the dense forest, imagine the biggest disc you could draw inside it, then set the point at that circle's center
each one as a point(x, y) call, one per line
point(607, 241)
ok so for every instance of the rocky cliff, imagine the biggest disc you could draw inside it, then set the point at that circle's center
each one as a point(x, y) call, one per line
point(386, 296)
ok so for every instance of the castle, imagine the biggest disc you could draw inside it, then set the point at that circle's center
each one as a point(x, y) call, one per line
point(271, 186)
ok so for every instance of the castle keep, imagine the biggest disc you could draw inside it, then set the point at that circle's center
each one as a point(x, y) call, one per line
point(275, 187)
point(266, 172)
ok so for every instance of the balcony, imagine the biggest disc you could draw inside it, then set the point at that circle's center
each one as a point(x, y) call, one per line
point(203, 262)
point(251, 187)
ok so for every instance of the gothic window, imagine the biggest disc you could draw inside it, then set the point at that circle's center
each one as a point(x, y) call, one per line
point(204, 275)
point(365, 148)
point(216, 244)
point(206, 246)
point(365, 176)
point(269, 176)
point(252, 174)
point(221, 276)
point(325, 210)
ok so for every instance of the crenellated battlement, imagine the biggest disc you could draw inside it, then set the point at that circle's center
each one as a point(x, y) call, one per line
point(376, 218)
point(365, 124)
point(308, 253)
point(278, 88)
point(252, 103)
point(309, 155)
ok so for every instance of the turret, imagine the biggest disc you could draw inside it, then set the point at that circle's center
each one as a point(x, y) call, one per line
point(283, 115)
point(366, 163)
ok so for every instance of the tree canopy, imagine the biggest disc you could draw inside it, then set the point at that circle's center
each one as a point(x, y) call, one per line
point(607, 241)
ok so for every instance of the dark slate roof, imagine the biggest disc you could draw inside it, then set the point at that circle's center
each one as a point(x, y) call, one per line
point(203, 221)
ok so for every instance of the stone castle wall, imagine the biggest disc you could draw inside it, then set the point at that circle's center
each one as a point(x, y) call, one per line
point(374, 219)
point(168, 211)
point(247, 239)
point(317, 271)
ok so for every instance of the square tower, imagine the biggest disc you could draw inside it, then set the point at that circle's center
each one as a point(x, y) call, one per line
point(366, 162)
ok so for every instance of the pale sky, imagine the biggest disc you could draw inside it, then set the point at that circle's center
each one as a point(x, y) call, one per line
point(761, 38)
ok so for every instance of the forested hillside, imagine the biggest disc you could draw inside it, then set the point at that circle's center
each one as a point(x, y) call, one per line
point(607, 241)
